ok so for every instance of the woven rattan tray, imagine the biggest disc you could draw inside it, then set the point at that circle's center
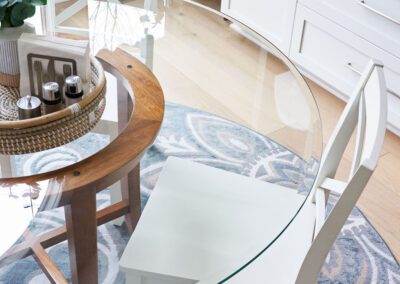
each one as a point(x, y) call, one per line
point(51, 130)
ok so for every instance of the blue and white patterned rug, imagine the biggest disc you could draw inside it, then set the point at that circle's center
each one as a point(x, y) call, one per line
point(359, 254)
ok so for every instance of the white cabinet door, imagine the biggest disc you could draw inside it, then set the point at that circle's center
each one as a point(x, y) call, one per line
point(337, 56)
point(377, 21)
point(271, 18)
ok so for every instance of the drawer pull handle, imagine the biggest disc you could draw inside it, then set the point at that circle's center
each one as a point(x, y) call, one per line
point(365, 5)
point(350, 66)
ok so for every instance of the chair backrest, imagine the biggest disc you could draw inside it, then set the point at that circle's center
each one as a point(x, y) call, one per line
point(300, 251)
point(366, 110)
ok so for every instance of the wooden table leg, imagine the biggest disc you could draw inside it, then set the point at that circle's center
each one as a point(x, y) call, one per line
point(130, 187)
point(80, 217)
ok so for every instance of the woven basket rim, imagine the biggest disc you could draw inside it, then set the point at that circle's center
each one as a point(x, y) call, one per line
point(44, 119)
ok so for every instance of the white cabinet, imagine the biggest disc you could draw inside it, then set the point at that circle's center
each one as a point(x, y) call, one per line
point(334, 56)
point(377, 21)
point(270, 18)
point(331, 41)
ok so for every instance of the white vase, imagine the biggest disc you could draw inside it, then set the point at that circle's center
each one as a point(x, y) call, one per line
point(9, 65)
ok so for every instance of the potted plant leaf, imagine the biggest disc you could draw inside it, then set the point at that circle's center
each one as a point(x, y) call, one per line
point(12, 16)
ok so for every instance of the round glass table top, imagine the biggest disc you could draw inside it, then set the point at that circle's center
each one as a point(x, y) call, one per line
point(233, 101)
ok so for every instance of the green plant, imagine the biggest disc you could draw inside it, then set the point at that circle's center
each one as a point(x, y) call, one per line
point(14, 12)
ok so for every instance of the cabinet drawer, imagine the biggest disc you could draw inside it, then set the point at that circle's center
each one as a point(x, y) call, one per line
point(337, 56)
point(375, 20)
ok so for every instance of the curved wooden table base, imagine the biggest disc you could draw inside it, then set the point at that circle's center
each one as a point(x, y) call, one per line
point(75, 186)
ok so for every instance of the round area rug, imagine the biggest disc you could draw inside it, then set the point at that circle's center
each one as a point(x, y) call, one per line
point(359, 254)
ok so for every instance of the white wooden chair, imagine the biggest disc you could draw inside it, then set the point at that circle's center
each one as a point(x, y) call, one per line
point(198, 216)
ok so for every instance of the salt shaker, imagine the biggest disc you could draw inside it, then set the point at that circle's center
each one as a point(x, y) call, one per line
point(51, 97)
point(28, 107)
point(73, 90)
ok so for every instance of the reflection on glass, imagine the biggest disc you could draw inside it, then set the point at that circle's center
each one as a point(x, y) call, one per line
point(18, 204)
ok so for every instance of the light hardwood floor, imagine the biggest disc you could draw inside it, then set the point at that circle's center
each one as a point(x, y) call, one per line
point(380, 201)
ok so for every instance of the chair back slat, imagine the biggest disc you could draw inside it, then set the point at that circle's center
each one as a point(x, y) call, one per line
point(366, 109)
point(343, 131)
point(306, 242)
point(376, 118)
point(320, 209)
point(359, 137)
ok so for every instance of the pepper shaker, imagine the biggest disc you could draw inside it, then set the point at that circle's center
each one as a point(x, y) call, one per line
point(73, 90)
point(28, 107)
point(51, 97)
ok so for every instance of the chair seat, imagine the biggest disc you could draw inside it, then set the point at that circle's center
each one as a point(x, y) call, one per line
point(199, 220)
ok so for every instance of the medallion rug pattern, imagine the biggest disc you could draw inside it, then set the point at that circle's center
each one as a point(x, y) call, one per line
point(359, 254)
